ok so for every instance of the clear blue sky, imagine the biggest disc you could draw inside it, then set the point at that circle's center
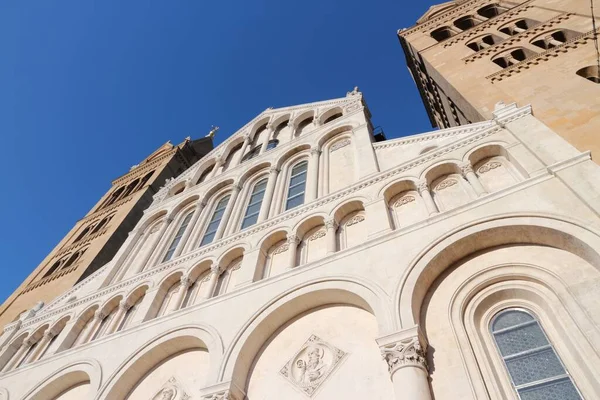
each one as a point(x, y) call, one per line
point(89, 88)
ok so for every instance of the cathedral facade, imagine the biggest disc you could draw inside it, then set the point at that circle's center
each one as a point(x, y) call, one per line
point(307, 258)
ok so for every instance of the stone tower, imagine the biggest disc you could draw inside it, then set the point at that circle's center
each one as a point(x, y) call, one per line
point(465, 56)
point(95, 238)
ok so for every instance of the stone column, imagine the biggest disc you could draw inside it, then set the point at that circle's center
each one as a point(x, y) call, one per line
point(268, 197)
point(218, 164)
point(423, 189)
point(228, 210)
point(264, 144)
point(247, 141)
point(27, 343)
point(312, 181)
point(251, 268)
point(122, 309)
point(405, 357)
point(331, 226)
point(185, 283)
point(292, 241)
point(153, 253)
point(43, 345)
point(90, 331)
point(215, 272)
point(467, 171)
point(292, 129)
point(183, 243)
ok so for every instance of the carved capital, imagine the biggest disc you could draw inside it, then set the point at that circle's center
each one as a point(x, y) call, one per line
point(274, 170)
point(422, 186)
point(290, 124)
point(331, 224)
point(51, 333)
point(215, 269)
point(293, 239)
point(124, 305)
point(466, 168)
point(28, 342)
point(247, 138)
point(269, 127)
point(315, 151)
point(99, 315)
point(404, 353)
point(185, 281)
point(237, 187)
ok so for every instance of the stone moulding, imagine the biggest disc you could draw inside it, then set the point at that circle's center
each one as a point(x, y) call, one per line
point(544, 56)
point(509, 116)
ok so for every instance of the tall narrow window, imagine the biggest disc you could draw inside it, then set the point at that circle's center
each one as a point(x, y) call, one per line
point(297, 186)
point(254, 204)
point(178, 236)
point(535, 370)
point(215, 221)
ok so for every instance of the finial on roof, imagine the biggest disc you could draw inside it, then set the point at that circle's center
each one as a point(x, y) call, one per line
point(354, 92)
point(213, 131)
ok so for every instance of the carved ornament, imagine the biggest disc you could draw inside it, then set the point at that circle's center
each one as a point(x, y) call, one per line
point(317, 235)
point(355, 220)
point(489, 166)
point(404, 353)
point(281, 249)
point(404, 200)
point(310, 367)
point(446, 183)
point(339, 144)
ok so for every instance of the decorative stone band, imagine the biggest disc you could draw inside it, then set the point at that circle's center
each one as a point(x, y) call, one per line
point(281, 249)
point(489, 166)
point(338, 145)
point(446, 184)
point(355, 220)
point(404, 200)
point(404, 353)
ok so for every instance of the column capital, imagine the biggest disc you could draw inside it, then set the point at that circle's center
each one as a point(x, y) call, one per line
point(404, 349)
point(201, 204)
point(422, 186)
point(124, 305)
point(274, 170)
point(293, 239)
point(50, 333)
point(215, 269)
point(237, 187)
point(290, 123)
point(269, 126)
point(99, 315)
point(219, 161)
point(28, 342)
point(315, 151)
point(247, 138)
point(186, 281)
point(331, 223)
point(466, 168)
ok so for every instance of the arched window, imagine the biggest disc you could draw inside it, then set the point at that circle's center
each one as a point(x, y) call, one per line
point(491, 11)
point(303, 126)
point(591, 73)
point(205, 174)
point(297, 186)
point(101, 225)
point(82, 234)
point(144, 180)
point(550, 41)
point(115, 196)
point(331, 118)
point(466, 22)
point(483, 42)
point(519, 26)
point(252, 153)
point(512, 58)
point(71, 260)
point(442, 33)
point(272, 144)
point(254, 204)
point(215, 221)
point(178, 236)
point(130, 188)
point(54, 268)
point(534, 368)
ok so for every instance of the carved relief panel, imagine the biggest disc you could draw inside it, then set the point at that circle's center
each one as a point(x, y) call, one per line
point(310, 367)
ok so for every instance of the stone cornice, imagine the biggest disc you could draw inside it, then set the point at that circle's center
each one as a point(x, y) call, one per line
point(140, 169)
point(496, 48)
point(465, 129)
point(447, 16)
point(510, 115)
point(544, 56)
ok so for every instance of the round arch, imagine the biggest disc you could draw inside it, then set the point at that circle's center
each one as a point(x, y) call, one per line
point(67, 377)
point(264, 323)
point(136, 366)
point(541, 229)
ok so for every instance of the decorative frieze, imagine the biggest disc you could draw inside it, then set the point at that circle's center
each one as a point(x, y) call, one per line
point(446, 183)
point(355, 220)
point(317, 235)
point(281, 249)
